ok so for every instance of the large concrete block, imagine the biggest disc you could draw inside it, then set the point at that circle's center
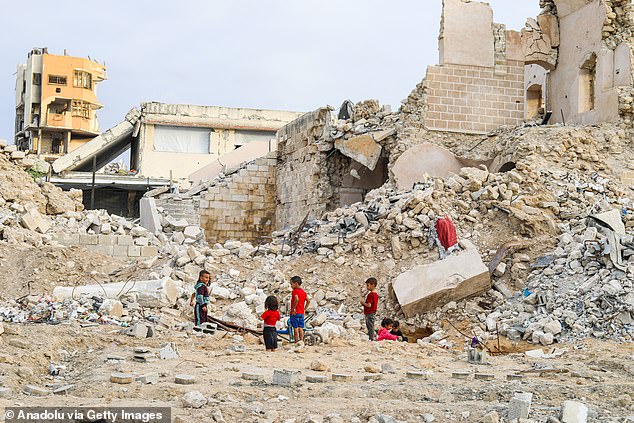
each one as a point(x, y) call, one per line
point(149, 215)
point(574, 412)
point(459, 276)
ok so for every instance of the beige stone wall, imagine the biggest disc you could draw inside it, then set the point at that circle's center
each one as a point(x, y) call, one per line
point(242, 206)
point(302, 185)
point(472, 99)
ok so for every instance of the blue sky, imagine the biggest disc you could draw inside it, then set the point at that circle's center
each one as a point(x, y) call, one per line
point(279, 54)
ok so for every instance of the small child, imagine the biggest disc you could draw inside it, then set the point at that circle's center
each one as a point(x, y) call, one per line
point(200, 297)
point(369, 306)
point(299, 304)
point(384, 332)
point(396, 330)
point(270, 317)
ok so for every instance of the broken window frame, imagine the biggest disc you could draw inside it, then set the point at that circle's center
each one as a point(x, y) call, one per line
point(81, 109)
point(82, 79)
point(37, 78)
point(57, 80)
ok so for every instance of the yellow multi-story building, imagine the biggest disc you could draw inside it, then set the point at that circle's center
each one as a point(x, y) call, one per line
point(56, 103)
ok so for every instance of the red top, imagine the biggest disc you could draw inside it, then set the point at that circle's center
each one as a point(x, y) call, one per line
point(373, 300)
point(446, 232)
point(270, 317)
point(385, 335)
point(301, 300)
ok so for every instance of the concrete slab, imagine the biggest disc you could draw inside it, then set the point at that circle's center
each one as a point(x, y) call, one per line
point(362, 149)
point(457, 277)
point(150, 219)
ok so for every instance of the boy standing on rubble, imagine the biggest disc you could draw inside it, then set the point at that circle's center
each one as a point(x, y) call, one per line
point(370, 305)
point(299, 303)
point(200, 297)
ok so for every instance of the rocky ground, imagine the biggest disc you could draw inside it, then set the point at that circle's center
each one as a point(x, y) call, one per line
point(558, 319)
point(407, 382)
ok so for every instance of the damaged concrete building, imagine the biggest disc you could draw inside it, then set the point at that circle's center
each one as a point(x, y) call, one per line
point(572, 63)
point(56, 103)
point(166, 143)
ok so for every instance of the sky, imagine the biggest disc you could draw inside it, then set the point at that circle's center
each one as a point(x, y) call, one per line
point(273, 54)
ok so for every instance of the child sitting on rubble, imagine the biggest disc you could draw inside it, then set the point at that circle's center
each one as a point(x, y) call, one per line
point(396, 330)
point(384, 332)
point(270, 318)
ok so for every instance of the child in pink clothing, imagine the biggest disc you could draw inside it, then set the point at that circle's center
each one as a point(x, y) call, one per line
point(384, 332)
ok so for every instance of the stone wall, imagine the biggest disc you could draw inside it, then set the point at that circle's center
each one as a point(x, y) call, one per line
point(109, 245)
point(182, 208)
point(242, 205)
point(473, 99)
point(303, 187)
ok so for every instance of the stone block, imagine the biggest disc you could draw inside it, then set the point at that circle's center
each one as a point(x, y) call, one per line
point(120, 250)
point(417, 375)
point(459, 276)
point(316, 378)
point(134, 251)
point(106, 250)
point(36, 391)
point(362, 149)
point(253, 376)
point(34, 221)
point(121, 378)
point(139, 330)
point(125, 240)
point(149, 251)
point(150, 219)
point(285, 377)
point(573, 412)
point(148, 379)
point(107, 239)
point(339, 377)
point(520, 405)
point(460, 375)
point(88, 239)
point(67, 238)
point(184, 379)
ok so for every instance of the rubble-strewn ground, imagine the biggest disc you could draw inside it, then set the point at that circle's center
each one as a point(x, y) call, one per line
point(557, 290)
point(596, 373)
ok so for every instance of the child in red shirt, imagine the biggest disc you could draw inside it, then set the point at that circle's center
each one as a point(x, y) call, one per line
point(369, 306)
point(299, 304)
point(270, 317)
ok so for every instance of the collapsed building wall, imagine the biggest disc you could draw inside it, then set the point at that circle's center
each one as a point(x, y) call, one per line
point(242, 205)
point(478, 85)
point(301, 182)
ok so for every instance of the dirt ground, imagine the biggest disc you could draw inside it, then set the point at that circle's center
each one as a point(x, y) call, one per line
point(599, 374)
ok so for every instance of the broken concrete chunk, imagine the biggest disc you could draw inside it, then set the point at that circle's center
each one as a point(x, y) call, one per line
point(362, 149)
point(154, 293)
point(433, 285)
point(574, 412)
point(520, 405)
point(194, 399)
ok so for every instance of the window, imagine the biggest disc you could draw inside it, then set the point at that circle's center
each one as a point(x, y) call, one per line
point(83, 79)
point(37, 79)
point(181, 139)
point(587, 84)
point(57, 80)
point(81, 109)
